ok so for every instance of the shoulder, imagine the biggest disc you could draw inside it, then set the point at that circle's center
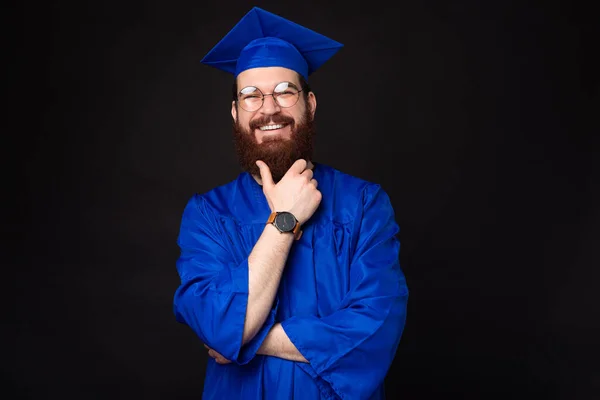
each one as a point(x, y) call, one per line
point(215, 201)
point(350, 185)
point(345, 196)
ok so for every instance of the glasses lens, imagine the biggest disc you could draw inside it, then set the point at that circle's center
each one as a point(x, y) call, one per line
point(251, 98)
point(286, 94)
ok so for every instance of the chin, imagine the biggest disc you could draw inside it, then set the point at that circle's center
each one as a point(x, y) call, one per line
point(273, 138)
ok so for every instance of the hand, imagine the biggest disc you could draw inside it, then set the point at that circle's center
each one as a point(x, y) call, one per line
point(296, 192)
point(218, 358)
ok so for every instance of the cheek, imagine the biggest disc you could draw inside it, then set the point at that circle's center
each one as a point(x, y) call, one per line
point(300, 118)
point(243, 121)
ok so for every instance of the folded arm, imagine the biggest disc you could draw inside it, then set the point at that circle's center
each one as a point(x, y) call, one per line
point(349, 352)
point(278, 344)
point(230, 306)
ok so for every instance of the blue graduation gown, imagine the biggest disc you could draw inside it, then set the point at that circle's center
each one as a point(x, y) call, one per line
point(341, 300)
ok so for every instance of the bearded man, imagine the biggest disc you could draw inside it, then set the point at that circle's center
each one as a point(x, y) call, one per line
point(290, 273)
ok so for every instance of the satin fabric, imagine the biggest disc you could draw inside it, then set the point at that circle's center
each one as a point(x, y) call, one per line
point(263, 39)
point(341, 300)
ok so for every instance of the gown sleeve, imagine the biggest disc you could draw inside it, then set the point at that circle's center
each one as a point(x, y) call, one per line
point(350, 351)
point(213, 295)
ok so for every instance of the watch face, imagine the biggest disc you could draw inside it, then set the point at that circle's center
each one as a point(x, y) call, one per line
point(285, 221)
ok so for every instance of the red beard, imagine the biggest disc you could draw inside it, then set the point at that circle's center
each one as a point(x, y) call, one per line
point(278, 153)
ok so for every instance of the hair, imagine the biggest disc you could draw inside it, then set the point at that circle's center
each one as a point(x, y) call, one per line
point(303, 86)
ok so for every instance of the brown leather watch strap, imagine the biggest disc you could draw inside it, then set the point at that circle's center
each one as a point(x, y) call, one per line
point(271, 218)
point(297, 231)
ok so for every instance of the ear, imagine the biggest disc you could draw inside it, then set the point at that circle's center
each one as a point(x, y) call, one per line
point(233, 111)
point(312, 103)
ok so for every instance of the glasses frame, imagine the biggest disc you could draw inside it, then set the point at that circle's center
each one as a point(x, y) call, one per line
point(273, 94)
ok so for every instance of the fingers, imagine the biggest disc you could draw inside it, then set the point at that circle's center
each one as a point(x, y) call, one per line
point(218, 358)
point(265, 174)
point(299, 166)
point(308, 173)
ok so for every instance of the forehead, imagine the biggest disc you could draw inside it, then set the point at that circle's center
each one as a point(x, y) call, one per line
point(266, 78)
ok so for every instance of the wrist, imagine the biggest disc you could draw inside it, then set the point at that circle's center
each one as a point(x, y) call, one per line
point(285, 222)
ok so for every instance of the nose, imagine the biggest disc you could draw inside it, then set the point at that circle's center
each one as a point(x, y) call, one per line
point(270, 106)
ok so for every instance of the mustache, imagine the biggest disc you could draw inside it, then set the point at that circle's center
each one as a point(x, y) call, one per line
point(271, 119)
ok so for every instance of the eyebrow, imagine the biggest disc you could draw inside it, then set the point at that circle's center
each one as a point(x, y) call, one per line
point(254, 89)
point(292, 85)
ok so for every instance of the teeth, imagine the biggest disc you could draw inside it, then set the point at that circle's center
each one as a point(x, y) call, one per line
point(270, 127)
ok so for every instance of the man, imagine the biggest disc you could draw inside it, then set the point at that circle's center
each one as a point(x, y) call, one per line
point(290, 273)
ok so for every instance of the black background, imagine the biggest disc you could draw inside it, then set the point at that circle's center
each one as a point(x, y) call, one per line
point(478, 118)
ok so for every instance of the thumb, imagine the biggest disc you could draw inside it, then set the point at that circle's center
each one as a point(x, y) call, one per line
point(265, 174)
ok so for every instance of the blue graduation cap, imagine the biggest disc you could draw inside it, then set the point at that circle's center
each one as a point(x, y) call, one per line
point(263, 39)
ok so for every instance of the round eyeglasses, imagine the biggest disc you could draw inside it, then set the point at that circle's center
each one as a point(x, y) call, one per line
point(285, 94)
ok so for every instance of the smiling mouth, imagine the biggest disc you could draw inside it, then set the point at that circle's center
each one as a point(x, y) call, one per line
point(272, 127)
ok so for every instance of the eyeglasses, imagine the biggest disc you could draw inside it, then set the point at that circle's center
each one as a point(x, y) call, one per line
point(285, 94)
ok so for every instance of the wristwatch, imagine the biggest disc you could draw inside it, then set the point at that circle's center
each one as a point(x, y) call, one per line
point(285, 222)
